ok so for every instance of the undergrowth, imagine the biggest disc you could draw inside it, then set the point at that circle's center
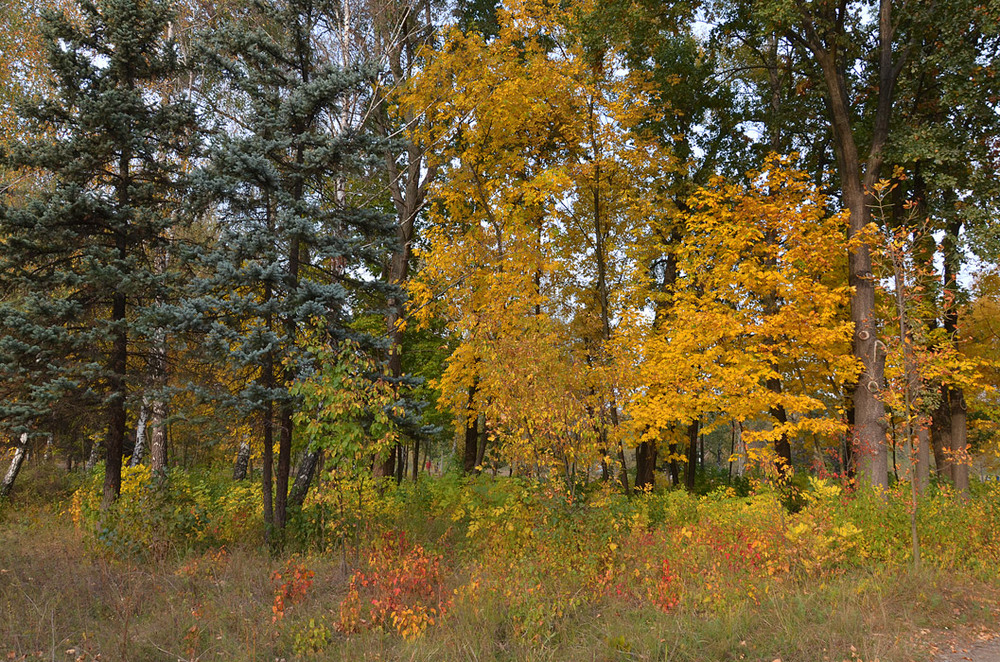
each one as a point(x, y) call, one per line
point(504, 569)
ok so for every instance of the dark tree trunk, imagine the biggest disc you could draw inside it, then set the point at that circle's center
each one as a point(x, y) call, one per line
point(416, 458)
point(303, 479)
point(675, 471)
point(284, 466)
point(941, 436)
point(116, 406)
point(267, 465)
point(645, 465)
point(955, 409)
point(400, 462)
point(782, 447)
point(692, 455)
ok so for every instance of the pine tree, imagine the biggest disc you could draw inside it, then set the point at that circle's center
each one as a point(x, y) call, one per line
point(293, 255)
point(76, 259)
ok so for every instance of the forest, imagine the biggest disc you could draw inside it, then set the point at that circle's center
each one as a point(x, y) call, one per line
point(499, 329)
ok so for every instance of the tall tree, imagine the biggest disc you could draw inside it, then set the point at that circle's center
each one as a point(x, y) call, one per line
point(544, 176)
point(76, 257)
point(854, 53)
point(723, 341)
point(294, 254)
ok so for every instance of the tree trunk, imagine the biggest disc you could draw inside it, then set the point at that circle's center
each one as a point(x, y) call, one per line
point(386, 467)
point(158, 378)
point(242, 461)
point(919, 456)
point(645, 465)
point(869, 428)
point(93, 456)
point(14, 468)
point(158, 438)
point(941, 437)
point(623, 477)
point(782, 447)
point(416, 458)
point(923, 454)
point(303, 479)
point(116, 406)
point(284, 466)
point(401, 457)
point(267, 467)
point(675, 472)
point(953, 405)
point(692, 456)
point(140, 435)
point(408, 190)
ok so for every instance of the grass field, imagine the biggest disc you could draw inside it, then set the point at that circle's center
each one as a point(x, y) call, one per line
point(498, 571)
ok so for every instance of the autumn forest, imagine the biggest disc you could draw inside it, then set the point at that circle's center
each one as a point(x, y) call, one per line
point(499, 329)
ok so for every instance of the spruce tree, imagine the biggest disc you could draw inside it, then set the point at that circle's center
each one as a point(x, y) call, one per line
point(76, 259)
point(294, 257)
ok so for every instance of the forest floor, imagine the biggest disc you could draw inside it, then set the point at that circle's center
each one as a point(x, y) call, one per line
point(60, 601)
point(63, 596)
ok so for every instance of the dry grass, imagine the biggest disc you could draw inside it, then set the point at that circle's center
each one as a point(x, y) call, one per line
point(59, 600)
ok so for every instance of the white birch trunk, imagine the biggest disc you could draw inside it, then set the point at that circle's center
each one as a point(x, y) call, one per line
point(15, 467)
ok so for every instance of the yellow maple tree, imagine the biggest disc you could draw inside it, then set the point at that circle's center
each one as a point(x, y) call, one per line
point(756, 300)
point(546, 184)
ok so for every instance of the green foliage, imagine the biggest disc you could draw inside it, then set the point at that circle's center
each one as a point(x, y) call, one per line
point(346, 409)
point(158, 515)
point(83, 256)
point(311, 639)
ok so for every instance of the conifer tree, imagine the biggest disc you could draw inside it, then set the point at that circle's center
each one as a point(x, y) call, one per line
point(294, 257)
point(76, 259)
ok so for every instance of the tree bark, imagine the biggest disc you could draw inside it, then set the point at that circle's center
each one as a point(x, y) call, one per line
point(416, 458)
point(954, 410)
point(401, 458)
point(675, 472)
point(14, 468)
point(140, 435)
point(407, 185)
point(116, 405)
point(941, 436)
point(645, 465)
point(303, 479)
point(692, 456)
point(782, 447)
point(158, 437)
point(267, 467)
point(93, 456)
point(242, 461)
point(158, 378)
point(923, 454)
point(869, 428)
point(283, 468)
